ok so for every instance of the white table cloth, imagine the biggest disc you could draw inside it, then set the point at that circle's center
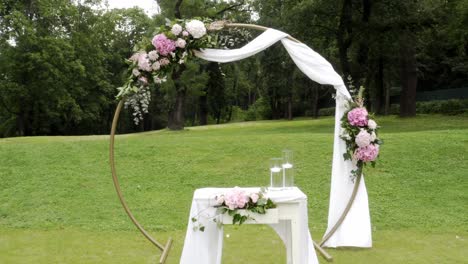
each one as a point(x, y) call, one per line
point(206, 247)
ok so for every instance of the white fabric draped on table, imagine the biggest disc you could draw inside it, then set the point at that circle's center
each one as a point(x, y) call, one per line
point(206, 247)
point(356, 229)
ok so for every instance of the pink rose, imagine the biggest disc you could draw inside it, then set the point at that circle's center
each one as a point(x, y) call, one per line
point(368, 153)
point(220, 199)
point(164, 62)
point(254, 197)
point(358, 116)
point(163, 45)
point(180, 43)
point(143, 79)
point(363, 138)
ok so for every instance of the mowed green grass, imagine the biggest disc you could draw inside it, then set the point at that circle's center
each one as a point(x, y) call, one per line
point(58, 204)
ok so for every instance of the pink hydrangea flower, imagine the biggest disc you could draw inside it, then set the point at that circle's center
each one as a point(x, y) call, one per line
point(368, 153)
point(163, 45)
point(358, 116)
point(236, 198)
point(143, 62)
point(363, 139)
point(185, 33)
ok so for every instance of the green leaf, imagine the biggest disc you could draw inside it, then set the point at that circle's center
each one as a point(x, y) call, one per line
point(347, 156)
point(194, 219)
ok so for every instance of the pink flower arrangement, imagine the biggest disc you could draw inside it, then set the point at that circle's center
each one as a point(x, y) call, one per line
point(360, 135)
point(236, 198)
point(367, 153)
point(358, 116)
point(163, 45)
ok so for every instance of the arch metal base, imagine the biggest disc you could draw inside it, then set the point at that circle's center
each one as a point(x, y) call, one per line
point(164, 248)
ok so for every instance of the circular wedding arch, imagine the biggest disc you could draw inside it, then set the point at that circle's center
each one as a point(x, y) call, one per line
point(165, 248)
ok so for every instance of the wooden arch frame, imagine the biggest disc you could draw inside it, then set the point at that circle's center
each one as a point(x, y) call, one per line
point(165, 248)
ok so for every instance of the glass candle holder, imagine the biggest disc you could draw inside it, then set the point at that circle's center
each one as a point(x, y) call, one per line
point(288, 169)
point(276, 175)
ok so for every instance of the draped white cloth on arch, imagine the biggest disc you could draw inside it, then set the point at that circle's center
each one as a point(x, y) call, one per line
point(355, 231)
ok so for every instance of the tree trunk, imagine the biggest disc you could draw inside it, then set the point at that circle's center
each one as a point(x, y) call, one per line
point(379, 88)
point(344, 37)
point(176, 115)
point(176, 119)
point(203, 109)
point(290, 115)
point(315, 98)
point(408, 74)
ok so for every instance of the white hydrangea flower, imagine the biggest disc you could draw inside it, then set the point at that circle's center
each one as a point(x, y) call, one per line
point(371, 124)
point(196, 28)
point(363, 139)
point(153, 55)
point(176, 29)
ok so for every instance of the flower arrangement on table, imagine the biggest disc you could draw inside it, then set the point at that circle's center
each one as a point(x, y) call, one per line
point(360, 134)
point(172, 45)
point(237, 199)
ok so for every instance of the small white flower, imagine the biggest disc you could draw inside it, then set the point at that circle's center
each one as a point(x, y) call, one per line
point(135, 72)
point(371, 124)
point(153, 55)
point(196, 28)
point(176, 29)
point(346, 136)
point(181, 61)
point(373, 136)
point(156, 66)
point(184, 54)
point(173, 54)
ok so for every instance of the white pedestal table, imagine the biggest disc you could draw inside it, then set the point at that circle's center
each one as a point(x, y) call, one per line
point(289, 220)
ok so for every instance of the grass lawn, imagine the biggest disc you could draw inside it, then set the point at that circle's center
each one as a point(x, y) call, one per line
point(58, 205)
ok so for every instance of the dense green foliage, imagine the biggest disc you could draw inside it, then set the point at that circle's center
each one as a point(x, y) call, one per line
point(61, 61)
point(57, 201)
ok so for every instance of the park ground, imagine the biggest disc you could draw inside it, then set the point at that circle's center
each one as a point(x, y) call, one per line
point(58, 204)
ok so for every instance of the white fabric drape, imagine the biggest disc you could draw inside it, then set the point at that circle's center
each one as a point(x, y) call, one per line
point(356, 228)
